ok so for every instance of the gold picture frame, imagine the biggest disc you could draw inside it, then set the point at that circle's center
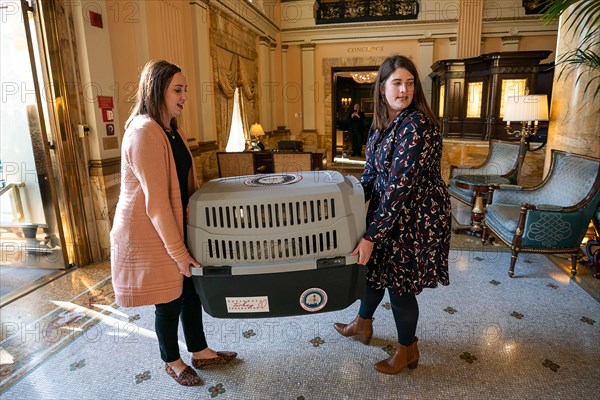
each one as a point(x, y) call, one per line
point(366, 105)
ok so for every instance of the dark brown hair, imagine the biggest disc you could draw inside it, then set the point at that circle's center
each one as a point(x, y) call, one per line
point(391, 64)
point(150, 97)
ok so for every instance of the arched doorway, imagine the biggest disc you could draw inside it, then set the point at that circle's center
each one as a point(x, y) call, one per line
point(332, 66)
point(351, 86)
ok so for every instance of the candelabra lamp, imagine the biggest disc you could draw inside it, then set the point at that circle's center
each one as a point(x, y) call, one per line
point(528, 110)
point(346, 103)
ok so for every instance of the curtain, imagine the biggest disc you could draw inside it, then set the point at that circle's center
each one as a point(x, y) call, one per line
point(233, 73)
point(244, 117)
point(236, 141)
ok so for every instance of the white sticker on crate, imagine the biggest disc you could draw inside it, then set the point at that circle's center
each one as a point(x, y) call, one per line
point(247, 304)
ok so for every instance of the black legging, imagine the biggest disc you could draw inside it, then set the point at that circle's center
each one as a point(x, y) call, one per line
point(405, 309)
point(166, 324)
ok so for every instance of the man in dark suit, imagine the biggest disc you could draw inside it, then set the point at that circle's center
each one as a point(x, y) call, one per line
point(356, 125)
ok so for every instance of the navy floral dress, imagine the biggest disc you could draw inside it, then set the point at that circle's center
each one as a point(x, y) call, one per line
point(408, 217)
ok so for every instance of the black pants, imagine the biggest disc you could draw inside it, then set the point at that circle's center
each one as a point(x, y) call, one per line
point(404, 308)
point(166, 324)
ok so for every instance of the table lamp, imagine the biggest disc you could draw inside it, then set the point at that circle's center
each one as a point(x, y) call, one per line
point(528, 110)
point(256, 131)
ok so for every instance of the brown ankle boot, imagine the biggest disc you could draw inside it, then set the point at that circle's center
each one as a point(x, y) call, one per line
point(362, 328)
point(403, 357)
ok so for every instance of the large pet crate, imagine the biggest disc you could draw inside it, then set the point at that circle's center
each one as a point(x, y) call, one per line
point(277, 244)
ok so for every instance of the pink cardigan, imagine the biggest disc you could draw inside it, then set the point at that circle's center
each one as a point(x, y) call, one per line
point(147, 234)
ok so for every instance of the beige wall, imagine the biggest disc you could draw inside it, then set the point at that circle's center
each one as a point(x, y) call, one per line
point(123, 45)
point(528, 43)
point(167, 28)
point(93, 52)
point(293, 89)
point(441, 49)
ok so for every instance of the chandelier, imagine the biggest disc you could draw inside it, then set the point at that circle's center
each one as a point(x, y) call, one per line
point(364, 77)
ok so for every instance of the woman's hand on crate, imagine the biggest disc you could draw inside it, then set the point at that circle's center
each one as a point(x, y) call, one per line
point(363, 250)
point(185, 265)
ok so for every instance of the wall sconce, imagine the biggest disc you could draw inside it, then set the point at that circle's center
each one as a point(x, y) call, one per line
point(527, 110)
point(256, 131)
point(346, 103)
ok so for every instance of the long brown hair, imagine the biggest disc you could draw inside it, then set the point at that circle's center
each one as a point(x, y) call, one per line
point(150, 97)
point(380, 112)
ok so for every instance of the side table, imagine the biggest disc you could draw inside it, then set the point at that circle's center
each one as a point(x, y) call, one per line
point(479, 184)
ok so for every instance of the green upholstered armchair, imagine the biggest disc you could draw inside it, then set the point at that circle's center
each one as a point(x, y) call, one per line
point(502, 160)
point(550, 218)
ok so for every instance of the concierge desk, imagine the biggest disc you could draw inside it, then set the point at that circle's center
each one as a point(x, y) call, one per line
point(266, 162)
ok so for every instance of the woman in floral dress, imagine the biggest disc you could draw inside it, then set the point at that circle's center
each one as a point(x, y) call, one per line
point(406, 244)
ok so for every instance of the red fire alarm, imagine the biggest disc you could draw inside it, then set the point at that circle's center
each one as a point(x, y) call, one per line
point(105, 102)
point(96, 19)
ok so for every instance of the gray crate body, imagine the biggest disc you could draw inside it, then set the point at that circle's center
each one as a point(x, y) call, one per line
point(277, 243)
point(278, 228)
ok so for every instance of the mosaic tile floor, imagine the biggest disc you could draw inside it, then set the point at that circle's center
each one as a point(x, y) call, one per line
point(484, 336)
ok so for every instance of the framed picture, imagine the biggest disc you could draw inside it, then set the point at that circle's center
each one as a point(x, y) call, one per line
point(366, 105)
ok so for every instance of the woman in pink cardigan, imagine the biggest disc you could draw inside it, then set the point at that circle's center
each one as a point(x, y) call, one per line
point(150, 261)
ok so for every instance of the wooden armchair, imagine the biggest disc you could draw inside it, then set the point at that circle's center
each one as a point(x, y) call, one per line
point(502, 160)
point(291, 162)
point(235, 164)
point(552, 217)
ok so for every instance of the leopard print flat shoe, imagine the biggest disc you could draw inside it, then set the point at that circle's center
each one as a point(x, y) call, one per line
point(223, 357)
point(187, 377)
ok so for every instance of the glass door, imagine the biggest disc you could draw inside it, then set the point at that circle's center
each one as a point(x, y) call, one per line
point(31, 232)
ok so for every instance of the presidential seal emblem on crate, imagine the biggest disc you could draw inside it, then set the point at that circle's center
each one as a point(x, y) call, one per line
point(277, 244)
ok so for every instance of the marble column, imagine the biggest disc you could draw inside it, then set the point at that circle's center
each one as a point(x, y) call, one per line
point(275, 116)
point(469, 28)
point(574, 111)
point(309, 89)
point(284, 81)
point(264, 82)
point(205, 90)
point(425, 62)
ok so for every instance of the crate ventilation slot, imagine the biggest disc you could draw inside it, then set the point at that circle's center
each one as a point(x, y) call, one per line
point(270, 215)
point(271, 250)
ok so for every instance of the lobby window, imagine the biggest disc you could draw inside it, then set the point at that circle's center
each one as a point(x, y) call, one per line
point(237, 136)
